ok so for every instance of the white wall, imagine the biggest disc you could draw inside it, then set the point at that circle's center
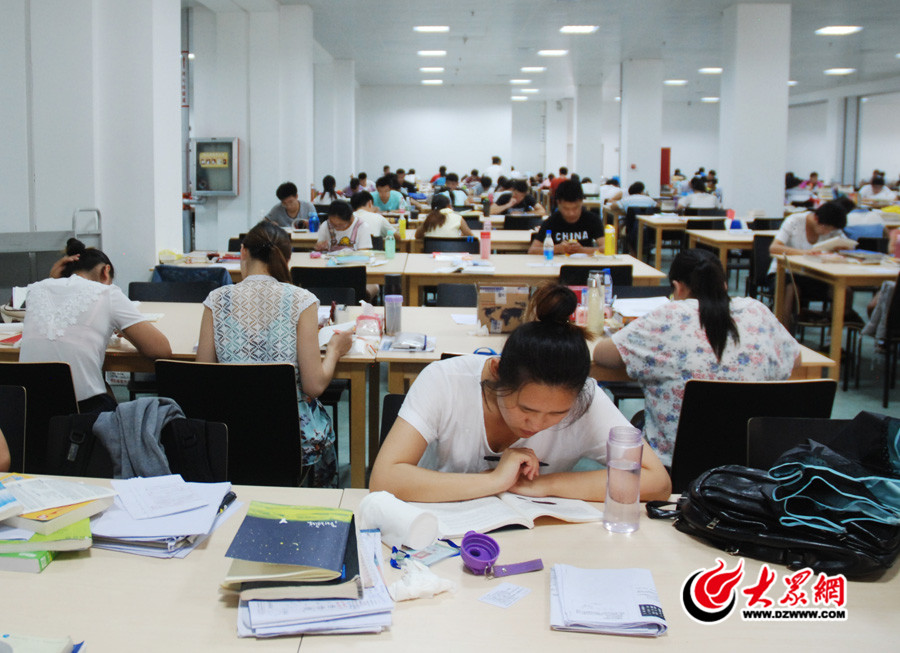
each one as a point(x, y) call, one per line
point(879, 136)
point(589, 119)
point(691, 130)
point(611, 131)
point(560, 137)
point(15, 164)
point(528, 137)
point(807, 148)
point(426, 127)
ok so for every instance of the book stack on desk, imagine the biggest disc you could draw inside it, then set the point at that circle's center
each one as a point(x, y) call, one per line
point(53, 517)
point(162, 516)
point(298, 570)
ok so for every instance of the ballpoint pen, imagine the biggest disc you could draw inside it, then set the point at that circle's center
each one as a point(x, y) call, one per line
point(227, 500)
point(494, 459)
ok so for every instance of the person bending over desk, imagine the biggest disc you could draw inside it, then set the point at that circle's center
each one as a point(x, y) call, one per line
point(534, 404)
point(442, 221)
point(71, 317)
point(266, 319)
point(701, 335)
point(574, 229)
point(5, 459)
point(342, 230)
point(518, 200)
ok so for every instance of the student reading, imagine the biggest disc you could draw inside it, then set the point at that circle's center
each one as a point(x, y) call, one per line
point(265, 319)
point(535, 403)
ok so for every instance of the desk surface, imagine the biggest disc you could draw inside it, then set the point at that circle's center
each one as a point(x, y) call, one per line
point(115, 601)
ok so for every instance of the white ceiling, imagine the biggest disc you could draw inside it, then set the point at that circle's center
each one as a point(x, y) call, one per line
point(489, 40)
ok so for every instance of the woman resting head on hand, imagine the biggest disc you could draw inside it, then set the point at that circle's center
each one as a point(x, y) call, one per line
point(535, 403)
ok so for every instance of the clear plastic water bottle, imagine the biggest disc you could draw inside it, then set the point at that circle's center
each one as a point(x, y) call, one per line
point(548, 247)
point(313, 222)
point(622, 508)
point(608, 286)
point(595, 301)
point(390, 245)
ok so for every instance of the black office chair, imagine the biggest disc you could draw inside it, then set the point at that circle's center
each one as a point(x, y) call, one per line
point(378, 243)
point(631, 226)
point(870, 244)
point(234, 244)
point(49, 391)
point(769, 437)
point(757, 279)
point(474, 223)
point(889, 345)
point(258, 403)
point(12, 423)
point(162, 291)
point(170, 291)
point(634, 292)
point(577, 275)
point(390, 408)
point(339, 276)
point(456, 294)
point(345, 296)
point(690, 211)
point(712, 428)
point(522, 222)
point(466, 244)
point(322, 211)
point(180, 273)
point(766, 224)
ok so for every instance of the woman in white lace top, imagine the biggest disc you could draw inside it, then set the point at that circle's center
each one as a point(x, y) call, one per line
point(71, 317)
point(265, 319)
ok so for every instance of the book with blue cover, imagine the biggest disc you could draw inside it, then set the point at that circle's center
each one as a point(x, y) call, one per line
point(9, 506)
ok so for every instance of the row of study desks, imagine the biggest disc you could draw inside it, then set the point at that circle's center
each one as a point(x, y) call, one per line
point(502, 240)
point(423, 270)
point(120, 602)
point(180, 323)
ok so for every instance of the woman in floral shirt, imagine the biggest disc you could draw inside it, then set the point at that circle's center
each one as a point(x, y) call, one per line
point(703, 334)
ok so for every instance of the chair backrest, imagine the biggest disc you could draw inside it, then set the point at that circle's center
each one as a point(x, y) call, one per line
point(577, 275)
point(234, 244)
point(345, 296)
point(760, 259)
point(870, 244)
point(633, 292)
point(705, 224)
point(339, 276)
point(390, 407)
point(893, 316)
point(522, 221)
point(456, 294)
point(762, 224)
point(322, 211)
point(170, 291)
point(474, 223)
point(712, 428)
point(705, 212)
point(258, 403)
point(49, 391)
point(769, 437)
point(12, 423)
point(217, 274)
point(467, 244)
point(378, 243)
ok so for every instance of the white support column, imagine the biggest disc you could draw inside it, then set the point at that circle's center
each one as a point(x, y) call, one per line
point(834, 139)
point(344, 120)
point(558, 134)
point(641, 140)
point(296, 89)
point(754, 107)
point(588, 161)
point(263, 141)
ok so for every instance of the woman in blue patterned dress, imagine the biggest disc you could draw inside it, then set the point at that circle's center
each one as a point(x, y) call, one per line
point(266, 319)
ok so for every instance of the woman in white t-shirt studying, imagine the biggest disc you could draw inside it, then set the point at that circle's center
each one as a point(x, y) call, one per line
point(71, 317)
point(534, 404)
point(442, 221)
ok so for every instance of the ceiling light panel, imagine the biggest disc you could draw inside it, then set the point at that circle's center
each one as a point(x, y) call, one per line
point(432, 53)
point(431, 69)
point(675, 82)
point(838, 30)
point(540, 69)
point(578, 29)
point(840, 71)
point(712, 70)
point(552, 53)
point(432, 82)
point(432, 29)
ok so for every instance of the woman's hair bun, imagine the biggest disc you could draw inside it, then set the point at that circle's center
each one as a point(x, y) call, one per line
point(553, 303)
point(74, 246)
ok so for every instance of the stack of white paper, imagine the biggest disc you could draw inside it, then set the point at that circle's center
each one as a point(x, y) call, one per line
point(609, 601)
point(370, 614)
point(161, 517)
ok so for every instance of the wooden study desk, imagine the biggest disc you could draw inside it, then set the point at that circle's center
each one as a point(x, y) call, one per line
point(460, 622)
point(122, 602)
point(723, 240)
point(515, 270)
point(840, 276)
point(659, 222)
point(450, 337)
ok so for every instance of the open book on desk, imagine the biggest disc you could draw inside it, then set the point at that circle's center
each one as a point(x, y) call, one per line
point(835, 244)
point(506, 509)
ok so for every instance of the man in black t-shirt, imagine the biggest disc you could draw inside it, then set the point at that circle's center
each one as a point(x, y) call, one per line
point(518, 200)
point(573, 228)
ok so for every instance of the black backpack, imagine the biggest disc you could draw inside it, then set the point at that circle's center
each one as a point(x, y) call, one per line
point(195, 448)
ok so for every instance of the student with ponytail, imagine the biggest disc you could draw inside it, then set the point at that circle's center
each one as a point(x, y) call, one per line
point(703, 334)
point(265, 319)
point(71, 316)
point(442, 221)
point(532, 404)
